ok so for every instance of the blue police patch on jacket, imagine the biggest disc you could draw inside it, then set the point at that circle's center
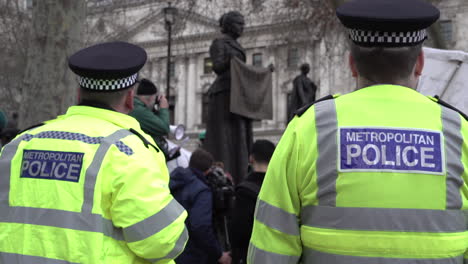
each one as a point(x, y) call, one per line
point(390, 149)
point(52, 165)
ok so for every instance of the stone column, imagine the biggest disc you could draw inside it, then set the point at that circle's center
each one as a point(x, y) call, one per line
point(191, 87)
point(182, 90)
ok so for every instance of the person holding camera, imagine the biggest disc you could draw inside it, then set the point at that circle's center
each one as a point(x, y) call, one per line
point(153, 122)
point(191, 188)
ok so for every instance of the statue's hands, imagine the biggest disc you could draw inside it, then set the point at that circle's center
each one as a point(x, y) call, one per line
point(271, 67)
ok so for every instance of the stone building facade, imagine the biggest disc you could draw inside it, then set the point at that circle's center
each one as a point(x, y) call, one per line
point(271, 36)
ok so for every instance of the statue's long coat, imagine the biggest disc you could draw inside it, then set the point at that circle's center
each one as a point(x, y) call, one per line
point(228, 136)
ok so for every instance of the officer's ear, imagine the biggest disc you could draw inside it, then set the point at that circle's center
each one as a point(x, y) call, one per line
point(418, 68)
point(352, 66)
point(78, 95)
point(129, 98)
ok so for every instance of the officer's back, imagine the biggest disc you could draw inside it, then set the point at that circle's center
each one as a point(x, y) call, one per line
point(90, 186)
point(375, 176)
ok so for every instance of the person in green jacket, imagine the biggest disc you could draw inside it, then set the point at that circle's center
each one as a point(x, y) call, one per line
point(153, 122)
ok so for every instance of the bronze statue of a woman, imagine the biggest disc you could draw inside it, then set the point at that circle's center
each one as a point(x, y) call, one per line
point(228, 136)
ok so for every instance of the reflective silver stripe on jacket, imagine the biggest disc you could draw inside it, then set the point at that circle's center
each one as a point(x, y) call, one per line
point(327, 126)
point(451, 122)
point(277, 218)
point(312, 257)
point(385, 219)
point(78, 137)
point(8, 153)
point(326, 215)
point(95, 166)
point(178, 248)
point(85, 220)
point(153, 224)
point(60, 218)
point(258, 256)
point(10, 258)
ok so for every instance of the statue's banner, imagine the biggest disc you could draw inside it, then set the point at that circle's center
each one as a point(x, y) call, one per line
point(251, 91)
point(445, 74)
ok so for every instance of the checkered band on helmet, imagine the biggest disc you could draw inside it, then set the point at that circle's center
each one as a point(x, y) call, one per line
point(387, 38)
point(107, 85)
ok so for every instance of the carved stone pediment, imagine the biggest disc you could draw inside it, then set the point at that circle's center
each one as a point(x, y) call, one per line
point(151, 27)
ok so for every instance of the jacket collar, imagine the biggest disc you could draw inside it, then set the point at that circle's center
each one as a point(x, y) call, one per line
point(96, 104)
point(199, 174)
point(119, 119)
point(138, 101)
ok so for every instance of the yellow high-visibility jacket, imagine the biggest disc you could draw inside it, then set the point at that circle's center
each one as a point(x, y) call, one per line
point(87, 187)
point(377, 176)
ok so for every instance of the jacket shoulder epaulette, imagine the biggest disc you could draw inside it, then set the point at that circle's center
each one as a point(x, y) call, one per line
point(142, 138)
point(299, 112)
point(443, 103)
point(31, 127)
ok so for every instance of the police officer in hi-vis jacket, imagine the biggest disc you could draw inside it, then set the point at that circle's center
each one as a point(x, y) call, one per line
point(376, 176)
point(90, 186)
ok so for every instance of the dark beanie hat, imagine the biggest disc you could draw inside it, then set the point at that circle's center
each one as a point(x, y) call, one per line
point(146, 87)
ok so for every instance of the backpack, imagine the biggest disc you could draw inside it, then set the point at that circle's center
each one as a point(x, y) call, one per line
point(253, 189)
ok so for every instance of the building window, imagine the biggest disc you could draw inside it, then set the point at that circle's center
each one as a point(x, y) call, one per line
point(205, 99)
point(172, 69)
point(446, 30)
point(292, 3)
point(29, 3)
point(257, 59)
point(101, 26)
point(293, 57)
point(207, 66)
point(171, 100)
point(257, 5)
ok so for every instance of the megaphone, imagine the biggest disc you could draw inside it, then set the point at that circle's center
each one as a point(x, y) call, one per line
point(178, 131)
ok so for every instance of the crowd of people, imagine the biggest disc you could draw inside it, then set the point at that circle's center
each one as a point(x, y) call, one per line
point(220, 216)
point(374, 176)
